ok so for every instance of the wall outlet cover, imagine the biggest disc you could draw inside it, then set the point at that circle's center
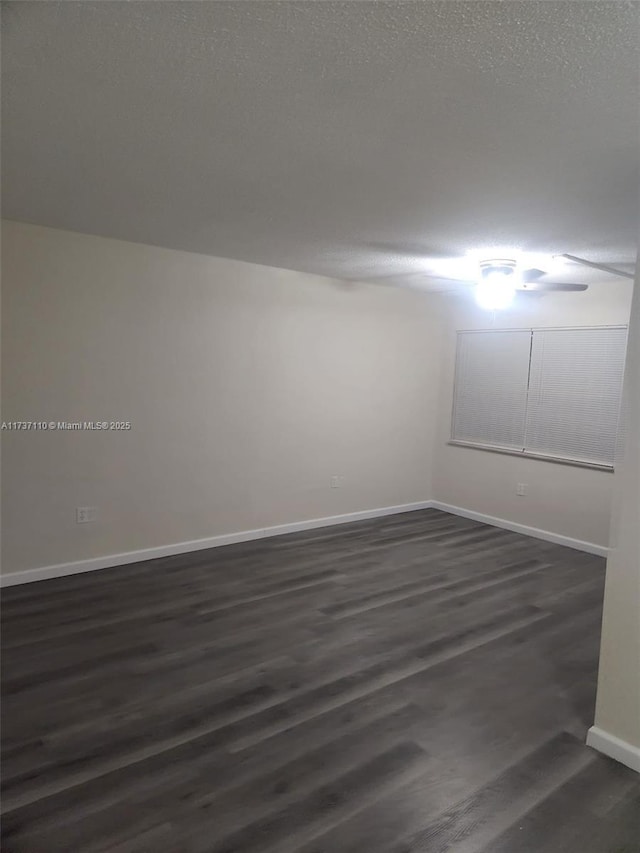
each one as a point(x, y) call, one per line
point(86, 514)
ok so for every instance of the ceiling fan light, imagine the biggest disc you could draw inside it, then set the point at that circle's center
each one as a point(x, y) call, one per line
point(495, 291)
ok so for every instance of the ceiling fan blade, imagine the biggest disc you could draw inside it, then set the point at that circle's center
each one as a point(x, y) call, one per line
point(413, 276)
point(558, 287)
point(603, 267)
point(532, 274)
point(392, 276)
point(449, 278)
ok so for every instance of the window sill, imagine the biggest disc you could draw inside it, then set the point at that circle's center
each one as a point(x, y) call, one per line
point(560, 460)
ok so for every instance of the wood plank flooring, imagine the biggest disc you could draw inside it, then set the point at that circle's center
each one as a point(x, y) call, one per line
point(412, 684)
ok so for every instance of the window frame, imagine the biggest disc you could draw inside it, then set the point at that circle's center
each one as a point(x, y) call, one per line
point(527, 454)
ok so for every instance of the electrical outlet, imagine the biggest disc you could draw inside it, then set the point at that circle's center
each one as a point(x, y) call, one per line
point(521, 489)
point(86, 514)
point(337, 481)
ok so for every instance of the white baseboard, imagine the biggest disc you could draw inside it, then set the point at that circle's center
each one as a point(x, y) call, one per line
point(547, 535)
point(614, 747)
point(112, 560)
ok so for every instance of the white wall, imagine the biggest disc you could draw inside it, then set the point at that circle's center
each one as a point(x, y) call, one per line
point(567, 500)
point(617, 724)
point(247, 388)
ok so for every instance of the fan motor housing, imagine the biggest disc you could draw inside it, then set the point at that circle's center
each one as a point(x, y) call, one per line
point(504, 266)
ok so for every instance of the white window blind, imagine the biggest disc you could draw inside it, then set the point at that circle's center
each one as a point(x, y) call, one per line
point(541, 392)
point(574, 393)
point(491, 388)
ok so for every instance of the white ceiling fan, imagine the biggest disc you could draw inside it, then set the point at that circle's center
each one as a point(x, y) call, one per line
point(500, 278)
point(497, 277)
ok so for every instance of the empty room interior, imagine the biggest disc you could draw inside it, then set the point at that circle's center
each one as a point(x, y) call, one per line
point(320, 418)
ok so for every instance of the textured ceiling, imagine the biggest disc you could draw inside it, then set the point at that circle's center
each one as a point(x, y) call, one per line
point(342, 138)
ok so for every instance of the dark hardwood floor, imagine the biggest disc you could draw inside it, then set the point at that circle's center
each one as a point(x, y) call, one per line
point(412, 684)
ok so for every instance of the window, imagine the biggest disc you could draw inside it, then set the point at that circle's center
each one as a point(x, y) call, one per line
point(552, 393)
